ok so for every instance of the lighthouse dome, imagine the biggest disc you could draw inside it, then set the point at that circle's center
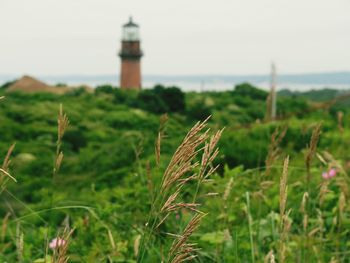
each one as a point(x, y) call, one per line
point(130, 31)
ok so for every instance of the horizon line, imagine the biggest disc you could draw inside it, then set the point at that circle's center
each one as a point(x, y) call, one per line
point(179, 75)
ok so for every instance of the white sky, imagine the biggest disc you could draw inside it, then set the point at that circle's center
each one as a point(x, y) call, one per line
point(53, 37)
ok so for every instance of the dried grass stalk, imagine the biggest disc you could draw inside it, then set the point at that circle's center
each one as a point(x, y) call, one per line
point(4, 170)
point(274, 149)
point(341, 206)
point(7, 161)
point(163, 121)
point(228, 189)
point(60, 254)
point(62, 125)
point(4, 226)
point(285, 222)
point(284, 187)
point(209, 154)
point(137, 245)
point(19, 242)
point(150, 184)
point(181, 169)
point(270, 257)
point(340, 117)
point(181, 162)
point(311, 151)
point(62, 122)
point(181, 250)
point(157, 148)
point(303, 209)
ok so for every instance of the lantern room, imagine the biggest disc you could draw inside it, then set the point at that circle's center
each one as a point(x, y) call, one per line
point(130, 31)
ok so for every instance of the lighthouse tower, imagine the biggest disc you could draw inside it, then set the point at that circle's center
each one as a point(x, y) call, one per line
point(130, 54)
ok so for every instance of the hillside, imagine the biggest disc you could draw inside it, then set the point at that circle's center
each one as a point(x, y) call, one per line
point(30, 85)
point(322, 95)
point(110, 176)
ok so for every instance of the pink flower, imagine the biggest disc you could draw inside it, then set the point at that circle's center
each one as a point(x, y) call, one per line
point(56, 243)
point(325, 175)
point(332, 172)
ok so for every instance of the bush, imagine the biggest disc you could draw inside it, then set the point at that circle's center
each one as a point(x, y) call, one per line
point(150, 101)
point(172, 97)
point(108, 89)
point(248, 90)
point(198, 110)
point(161, 100)
point(76, 139)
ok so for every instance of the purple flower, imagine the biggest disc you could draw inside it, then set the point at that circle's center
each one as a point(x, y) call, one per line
point(56, 243)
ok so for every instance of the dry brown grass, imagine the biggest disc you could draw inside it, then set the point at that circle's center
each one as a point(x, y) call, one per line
point(182, 160)
point(161, 134)
point(303, 210)
point(62, 125)
point(60, 253)
point(4, 170)
point(270, 257)
point(285, 222)
point(274, 149)
point(340, 117)
point(181, 250)
point(182, 168)
point(311, 151)
point(19, 243)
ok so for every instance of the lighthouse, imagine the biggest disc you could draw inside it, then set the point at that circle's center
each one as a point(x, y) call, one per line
point(130, 55)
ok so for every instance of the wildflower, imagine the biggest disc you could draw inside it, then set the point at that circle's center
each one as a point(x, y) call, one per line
point(325, 175)
point(56, 243)
point(177, 216)
point(330, 174)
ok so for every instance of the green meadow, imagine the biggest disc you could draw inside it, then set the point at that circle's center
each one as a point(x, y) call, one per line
point(147, 177)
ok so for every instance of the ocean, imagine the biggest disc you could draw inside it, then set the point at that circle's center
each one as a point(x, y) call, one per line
point(200, 83)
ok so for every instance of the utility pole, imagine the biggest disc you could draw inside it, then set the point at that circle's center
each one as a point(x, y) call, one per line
point(273, 94)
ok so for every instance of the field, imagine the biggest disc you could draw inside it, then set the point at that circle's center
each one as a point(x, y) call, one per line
point(148, 177)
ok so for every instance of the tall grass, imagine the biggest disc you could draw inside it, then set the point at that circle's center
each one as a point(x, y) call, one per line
point(303, 219)
point(5, 175)
point(183, 169)
point(285, 222)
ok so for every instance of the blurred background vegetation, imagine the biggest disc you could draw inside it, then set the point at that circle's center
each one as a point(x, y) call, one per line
point(109, 150)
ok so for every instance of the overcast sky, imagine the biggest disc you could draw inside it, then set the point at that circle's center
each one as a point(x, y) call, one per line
point(53, 37)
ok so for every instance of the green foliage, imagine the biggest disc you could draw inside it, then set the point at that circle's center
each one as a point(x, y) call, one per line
point(61, 85)
point(162, 100)
point(7, 84)
point(248, 90)
point(172, 97)
point(108, 89)
point(103, 187)
point(292, 106)
point(198, 110)
point(313, 95)
point(151, 101)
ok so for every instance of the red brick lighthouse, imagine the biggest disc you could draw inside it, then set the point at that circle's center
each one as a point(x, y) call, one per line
point(130, 54)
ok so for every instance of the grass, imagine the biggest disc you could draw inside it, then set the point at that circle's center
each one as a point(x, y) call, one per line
point(191, 211)
point(182, 169)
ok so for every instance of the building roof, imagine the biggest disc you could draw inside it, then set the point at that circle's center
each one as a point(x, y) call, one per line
point(131, 23)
